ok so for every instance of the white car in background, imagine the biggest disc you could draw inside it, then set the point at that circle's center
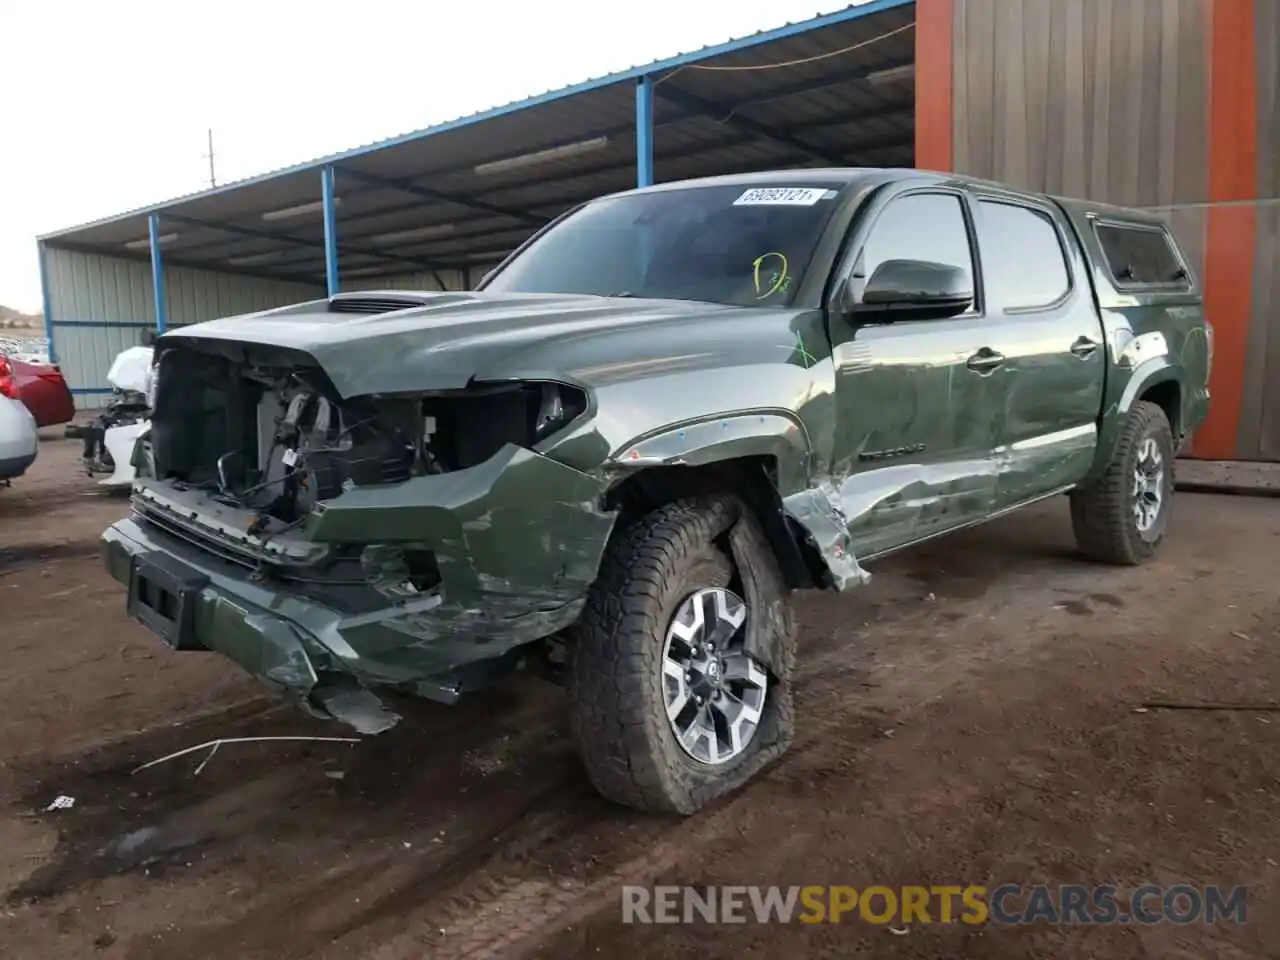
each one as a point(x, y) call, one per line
point(19, 441)
point(125, 418)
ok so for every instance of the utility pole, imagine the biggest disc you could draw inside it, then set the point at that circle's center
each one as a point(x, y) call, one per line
point(213, 179)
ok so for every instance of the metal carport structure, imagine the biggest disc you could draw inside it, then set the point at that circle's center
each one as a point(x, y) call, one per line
point(437, 207)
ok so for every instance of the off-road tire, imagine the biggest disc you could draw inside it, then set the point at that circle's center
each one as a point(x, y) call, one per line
point(1102, 514)
point(617, 713)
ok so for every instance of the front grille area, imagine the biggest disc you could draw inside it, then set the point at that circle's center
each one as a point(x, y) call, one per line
point(340, 584)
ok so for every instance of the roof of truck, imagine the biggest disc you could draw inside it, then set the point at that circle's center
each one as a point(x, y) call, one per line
point(804, 177)
point(868, 175)
point(1108, 211)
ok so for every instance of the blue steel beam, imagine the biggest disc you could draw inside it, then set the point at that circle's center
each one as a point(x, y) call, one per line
point(426, 193)
point(797, 88)
point(660, 67)
point(298, 241)
point(644, 132)
point(46, 300)
point(330, 230)
point(570, 197)
point(157, 274)
point(709, 108)
point(716, 110)
point(851, 151)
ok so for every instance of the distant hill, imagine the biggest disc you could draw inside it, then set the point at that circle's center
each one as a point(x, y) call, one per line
point(11, 319)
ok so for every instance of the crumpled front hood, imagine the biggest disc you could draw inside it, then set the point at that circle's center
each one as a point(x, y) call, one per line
point(458, 337)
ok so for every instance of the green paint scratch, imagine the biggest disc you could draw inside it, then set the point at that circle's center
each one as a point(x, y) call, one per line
point(807, 359)
point(800, 353)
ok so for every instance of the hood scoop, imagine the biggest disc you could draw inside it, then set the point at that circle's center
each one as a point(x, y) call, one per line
point(380, 301)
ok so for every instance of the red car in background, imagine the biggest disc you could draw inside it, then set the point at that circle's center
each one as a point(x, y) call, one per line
point(40, 387)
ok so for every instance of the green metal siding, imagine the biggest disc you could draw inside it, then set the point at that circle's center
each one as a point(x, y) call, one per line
point(100, 305)
point(420, 280)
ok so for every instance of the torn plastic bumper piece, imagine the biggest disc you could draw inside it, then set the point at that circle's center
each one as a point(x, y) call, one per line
point(517, 541)
point(235, 618)
point(818, 512)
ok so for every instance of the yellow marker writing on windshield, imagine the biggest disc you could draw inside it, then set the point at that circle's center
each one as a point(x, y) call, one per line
point(777, 281)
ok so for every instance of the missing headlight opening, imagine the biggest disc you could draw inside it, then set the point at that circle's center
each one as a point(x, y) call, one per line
point(266, 432)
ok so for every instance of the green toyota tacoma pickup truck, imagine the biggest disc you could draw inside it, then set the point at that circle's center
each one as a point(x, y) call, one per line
point(664, 413)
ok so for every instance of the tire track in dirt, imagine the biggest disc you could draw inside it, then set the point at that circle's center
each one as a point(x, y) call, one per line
point(508, 907)
point(15, 558)
point(511, 904)
point(369, 848)
point(376, 892)
point(510, 913)
point(514, 915)
point(519, 876)
point(301, 865)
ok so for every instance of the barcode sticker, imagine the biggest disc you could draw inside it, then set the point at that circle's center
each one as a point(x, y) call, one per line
point(784, 196)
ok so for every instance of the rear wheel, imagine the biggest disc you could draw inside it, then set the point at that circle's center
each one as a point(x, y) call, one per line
point(669, 707)
point(1122, 516)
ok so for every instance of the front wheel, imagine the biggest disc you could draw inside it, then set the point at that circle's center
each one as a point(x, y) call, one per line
point(670, 707)
point(1122, 516)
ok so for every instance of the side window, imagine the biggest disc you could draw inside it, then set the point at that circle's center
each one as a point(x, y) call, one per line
point(921, 226)
point(1022, 258)
point(1141, 256)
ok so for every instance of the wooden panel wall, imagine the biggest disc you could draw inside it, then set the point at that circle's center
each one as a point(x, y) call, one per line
point(1258, 432)
point(1102, 99)
point(1171, 105)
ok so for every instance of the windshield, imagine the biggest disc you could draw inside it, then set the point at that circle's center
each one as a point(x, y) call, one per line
point(746, 246)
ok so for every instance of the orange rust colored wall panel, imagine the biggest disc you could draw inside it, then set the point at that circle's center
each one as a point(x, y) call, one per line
point(934, 52)
point(1233, 173)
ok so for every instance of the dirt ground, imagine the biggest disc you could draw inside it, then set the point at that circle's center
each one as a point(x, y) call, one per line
point(969, 717)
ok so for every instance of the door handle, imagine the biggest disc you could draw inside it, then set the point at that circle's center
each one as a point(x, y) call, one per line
point(1084, 347)
point(985, 361)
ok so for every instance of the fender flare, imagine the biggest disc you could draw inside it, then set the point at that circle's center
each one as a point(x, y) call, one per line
point(1144, 376)
point(713, 439)
point(775, 435)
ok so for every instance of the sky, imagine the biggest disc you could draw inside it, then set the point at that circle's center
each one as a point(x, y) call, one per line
point(105, 106)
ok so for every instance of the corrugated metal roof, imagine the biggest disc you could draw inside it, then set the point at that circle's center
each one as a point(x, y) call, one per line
point(835, 90)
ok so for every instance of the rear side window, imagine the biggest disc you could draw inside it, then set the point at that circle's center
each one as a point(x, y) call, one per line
point(1141, 256)
point(1022, 258)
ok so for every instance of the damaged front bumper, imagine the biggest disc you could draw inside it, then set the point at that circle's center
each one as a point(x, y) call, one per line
point(517, 541)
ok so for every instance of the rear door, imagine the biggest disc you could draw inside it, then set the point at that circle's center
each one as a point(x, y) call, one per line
point(1044, 325)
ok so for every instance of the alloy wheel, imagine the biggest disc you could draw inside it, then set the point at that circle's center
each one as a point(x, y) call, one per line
point(713, 690)
point(1148, 484)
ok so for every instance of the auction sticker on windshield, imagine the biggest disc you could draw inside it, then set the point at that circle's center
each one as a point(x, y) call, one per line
point(784, 196)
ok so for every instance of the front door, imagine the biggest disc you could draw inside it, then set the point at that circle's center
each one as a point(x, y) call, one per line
point(1043, 322)
point(917, 404)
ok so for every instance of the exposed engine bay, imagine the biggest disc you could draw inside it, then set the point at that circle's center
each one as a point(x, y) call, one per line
point(266, 432)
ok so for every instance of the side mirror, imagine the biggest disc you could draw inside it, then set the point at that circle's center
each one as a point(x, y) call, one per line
point(915, 290)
